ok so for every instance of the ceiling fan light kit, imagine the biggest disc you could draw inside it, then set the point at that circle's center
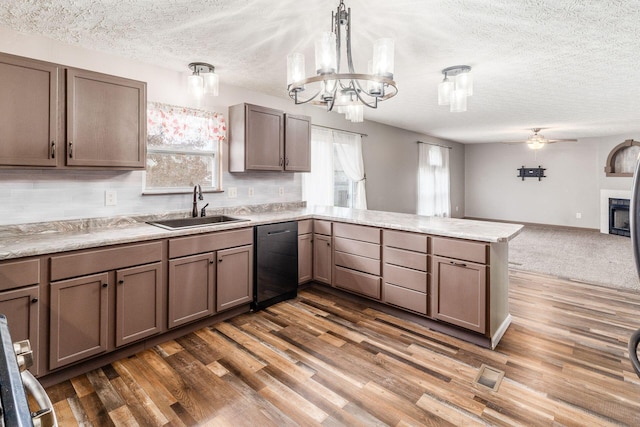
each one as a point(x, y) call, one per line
point(347, 92)
point(454, 92)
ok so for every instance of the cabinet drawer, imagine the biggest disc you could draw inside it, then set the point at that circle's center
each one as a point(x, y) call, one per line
point(305, 226)
point(408, 259)
point(355, 262)
point(96, 261)
point(192, 245)
point(405, 277)
point(17, 274)
point(362, 283)
point(403, 240)
point(357, 232)
point(355, 247)
point(405, 298)
point(460, 249)
point(322, 227)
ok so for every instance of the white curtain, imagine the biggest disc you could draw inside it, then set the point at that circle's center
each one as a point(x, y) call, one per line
point(349, 152)
point(317, 185)
point(433, 180)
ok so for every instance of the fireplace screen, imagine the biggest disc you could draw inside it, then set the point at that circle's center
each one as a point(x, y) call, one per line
point(619, 217)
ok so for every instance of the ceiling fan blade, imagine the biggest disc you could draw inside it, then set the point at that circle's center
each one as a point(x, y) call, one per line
point(561, 140)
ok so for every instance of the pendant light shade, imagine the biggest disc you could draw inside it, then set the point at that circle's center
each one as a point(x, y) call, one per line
point(211, 84)
point(458, 101)
point(383, 57)
point(326, 62)
point(445, 91)
point(295, 68)
point(464, 81)
point(195, 85)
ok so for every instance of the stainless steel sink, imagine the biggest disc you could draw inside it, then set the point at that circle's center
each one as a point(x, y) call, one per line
point(180, 223)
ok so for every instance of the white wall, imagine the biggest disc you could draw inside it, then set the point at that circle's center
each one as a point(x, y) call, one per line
point(390, 154)
point(575, 176)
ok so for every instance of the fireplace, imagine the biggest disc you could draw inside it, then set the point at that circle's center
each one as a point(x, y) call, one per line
point(619, 217)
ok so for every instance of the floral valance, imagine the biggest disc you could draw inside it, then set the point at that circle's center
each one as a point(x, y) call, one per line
point(171, 126)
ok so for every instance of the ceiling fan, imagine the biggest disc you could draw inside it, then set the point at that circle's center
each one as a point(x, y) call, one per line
point(537, 141)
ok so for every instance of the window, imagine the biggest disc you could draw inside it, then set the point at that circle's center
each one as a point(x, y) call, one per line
point(337, 171)
point(433, 180)
point(183, 149)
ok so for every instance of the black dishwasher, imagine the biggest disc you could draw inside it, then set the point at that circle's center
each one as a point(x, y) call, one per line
point(276, 263)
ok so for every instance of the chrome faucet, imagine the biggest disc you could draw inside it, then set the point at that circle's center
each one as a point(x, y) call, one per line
point(197, 195)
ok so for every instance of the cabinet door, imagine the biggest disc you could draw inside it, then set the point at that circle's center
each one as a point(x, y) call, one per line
point(191, 289)
point(79, 319)
point(106, 120)
point(322, 258)
point(28, 112)
point(20, 306)
point(234, 277)
point(138, 303)
point(297, 140)
point(264, 138)
point(305, 258)
point(460, 293)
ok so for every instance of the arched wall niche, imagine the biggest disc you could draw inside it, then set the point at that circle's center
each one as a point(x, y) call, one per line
point(622, 159)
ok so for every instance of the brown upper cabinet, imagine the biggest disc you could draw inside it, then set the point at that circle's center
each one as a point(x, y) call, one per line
point(266, 139)
point(49, 118)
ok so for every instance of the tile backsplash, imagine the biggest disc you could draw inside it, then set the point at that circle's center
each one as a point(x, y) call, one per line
point(42, 195)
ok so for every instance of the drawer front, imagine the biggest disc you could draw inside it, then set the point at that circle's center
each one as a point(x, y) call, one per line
point(322, 227)
point(460, 249)
point(96, 261)
point(17, 274)
point(404, 240)
point(406, 298)
point(355, 262)
point(407, 259)
point(357, 232)
point(183, 246)
point(405, 277)
point(362, 283)
point(355, 247)
point(305, 226)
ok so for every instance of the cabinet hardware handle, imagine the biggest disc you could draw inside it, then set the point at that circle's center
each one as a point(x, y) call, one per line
point(459, 264)
point(280, 161)
point(328, 244)
point(71, 149)
point(53, 149)
point(219, 259)
point(104, 285)
point(211, 262)
point(121, 281)
point(34, 300)
point(287, 162)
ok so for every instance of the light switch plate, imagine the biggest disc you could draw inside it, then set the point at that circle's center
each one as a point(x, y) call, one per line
point(110, 197)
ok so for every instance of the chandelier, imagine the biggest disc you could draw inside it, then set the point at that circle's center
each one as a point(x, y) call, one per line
point(454, 92)
point(347, 92)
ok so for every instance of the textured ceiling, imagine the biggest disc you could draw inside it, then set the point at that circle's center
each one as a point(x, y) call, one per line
point(569, 66)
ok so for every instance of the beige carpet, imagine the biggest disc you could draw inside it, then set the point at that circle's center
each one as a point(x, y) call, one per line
point(586, 256)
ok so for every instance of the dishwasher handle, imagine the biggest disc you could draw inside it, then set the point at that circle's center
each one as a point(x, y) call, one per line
point(271, 233)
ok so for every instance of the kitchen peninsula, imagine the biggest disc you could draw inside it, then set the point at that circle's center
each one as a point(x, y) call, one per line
point(449, 272)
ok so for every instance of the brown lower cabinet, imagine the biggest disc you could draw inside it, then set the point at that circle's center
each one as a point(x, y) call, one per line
point(79, 319)
point(138, 303)
point(322, 258)
point(191, 288)
point(459, 293)
point(234, 277)
point(20, 301)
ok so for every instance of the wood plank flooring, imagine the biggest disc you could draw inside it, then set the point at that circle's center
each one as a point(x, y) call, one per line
point(324, 360)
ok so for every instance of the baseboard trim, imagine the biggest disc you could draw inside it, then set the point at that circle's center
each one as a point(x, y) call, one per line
point(536, 224)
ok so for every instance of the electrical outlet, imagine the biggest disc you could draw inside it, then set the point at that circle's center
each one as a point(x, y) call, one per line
point(250, 192)
point(110, 198)
point(232, 192)
point(457, 208)
point(281, 191)
point(578, 215)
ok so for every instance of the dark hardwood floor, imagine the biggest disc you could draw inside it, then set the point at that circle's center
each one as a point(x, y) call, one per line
point(324, 360)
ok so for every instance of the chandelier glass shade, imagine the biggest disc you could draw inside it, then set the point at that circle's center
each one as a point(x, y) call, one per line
point(204, 81)
point(454, 91)
point(347, 92)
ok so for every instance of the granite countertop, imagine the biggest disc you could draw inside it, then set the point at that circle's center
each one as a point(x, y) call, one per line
point(18, 241)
